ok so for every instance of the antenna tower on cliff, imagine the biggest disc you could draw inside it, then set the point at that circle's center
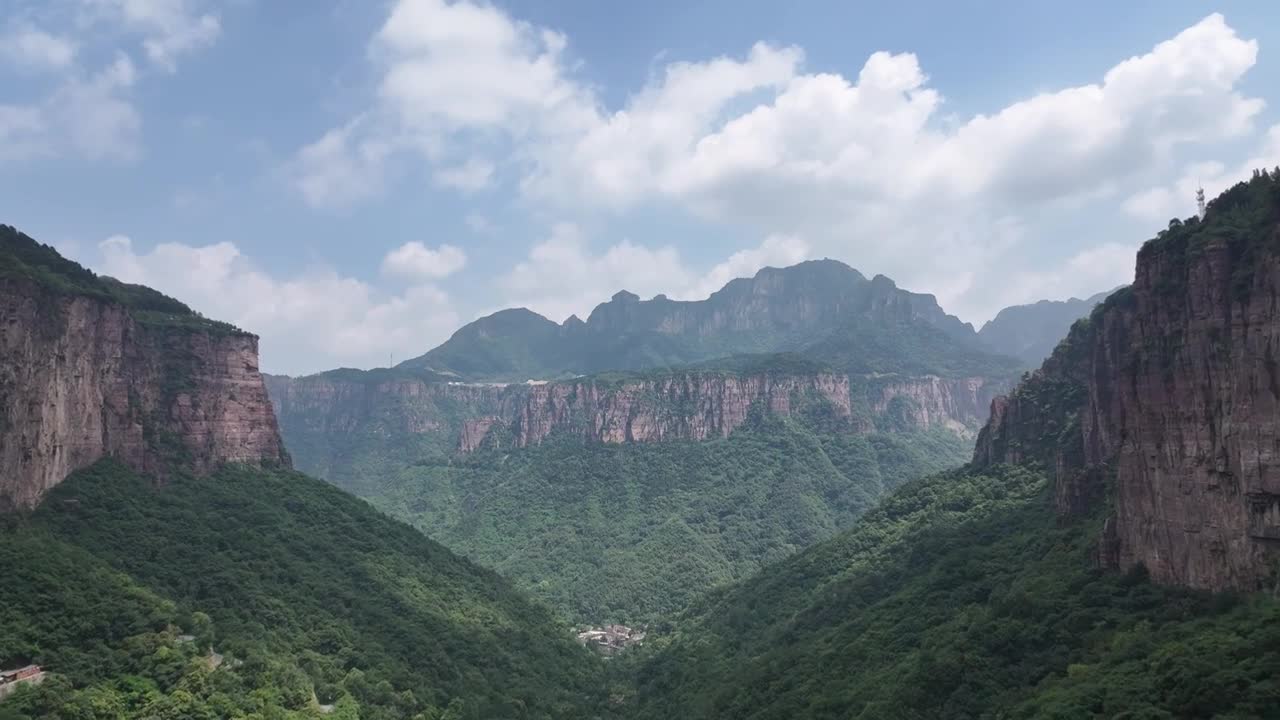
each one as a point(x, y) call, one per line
point(1200, 202)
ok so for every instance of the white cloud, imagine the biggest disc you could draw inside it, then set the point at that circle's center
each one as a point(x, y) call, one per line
point(1085, 273)
point(21, 132)
point(775, 251)
point(95, 116)
point(169, 28)
point(477, 223)
point(87, 114)
point(340, 168)
point(563, 276)
point(33, 48)
point(866, 169)
point(447, 68)
point(466, 65)
point(1177, 200)
point(475, 174)
point(312, 321)
point(87, 109)
point(415, 261)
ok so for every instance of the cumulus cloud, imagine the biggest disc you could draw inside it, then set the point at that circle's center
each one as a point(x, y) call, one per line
point(473, 175)
point(168, 28)
point(312, 321)
point(415, 261)
point(86, 108)
point(775, 251)
point(87, 114)
point(866, 169)
point(32, 48)
point(563, 275)
point(342, 167)
point(1177, 199)
point(449, 68)
point(1085, 273)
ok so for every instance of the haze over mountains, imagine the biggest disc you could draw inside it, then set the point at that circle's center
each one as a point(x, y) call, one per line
point(1030, 332)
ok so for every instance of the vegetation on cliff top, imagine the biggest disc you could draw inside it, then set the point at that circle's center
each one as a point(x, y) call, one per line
point(959, 597)
point(310, 595)
point(23, 258)
point(1245, 217)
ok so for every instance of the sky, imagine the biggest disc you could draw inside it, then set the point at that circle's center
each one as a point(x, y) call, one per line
point(353, 179)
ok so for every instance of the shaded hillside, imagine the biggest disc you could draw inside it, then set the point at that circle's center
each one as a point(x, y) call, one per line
point(307, 593)
point(1030, 332)
point(789, 309)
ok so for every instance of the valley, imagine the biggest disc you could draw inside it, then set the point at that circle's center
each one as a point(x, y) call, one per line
point(620, 496)
point(834, 526)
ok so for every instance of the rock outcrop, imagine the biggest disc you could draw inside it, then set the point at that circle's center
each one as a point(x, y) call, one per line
point(863, 325)
point(1166, 404)
point(81, 378)
point(323, 411)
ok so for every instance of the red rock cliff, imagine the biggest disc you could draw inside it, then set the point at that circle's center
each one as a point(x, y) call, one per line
point(80, 379)
point(325, 411)
point(1167, 403)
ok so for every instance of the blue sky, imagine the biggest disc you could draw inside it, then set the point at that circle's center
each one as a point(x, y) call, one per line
point(353, 180)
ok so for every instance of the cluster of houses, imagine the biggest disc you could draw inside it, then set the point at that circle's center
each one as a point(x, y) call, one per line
point(611, 639)
point(10, 680)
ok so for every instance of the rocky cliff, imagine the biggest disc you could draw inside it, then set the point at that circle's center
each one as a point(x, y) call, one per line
point(688, 405)
point(1162, 411)
point(81, 377)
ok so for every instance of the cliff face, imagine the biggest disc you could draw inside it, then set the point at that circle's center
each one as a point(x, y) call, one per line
point(694, 406)
point(1167, 404)
point(80, 379)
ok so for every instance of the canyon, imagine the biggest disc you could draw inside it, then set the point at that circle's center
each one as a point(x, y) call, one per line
point(679, 405)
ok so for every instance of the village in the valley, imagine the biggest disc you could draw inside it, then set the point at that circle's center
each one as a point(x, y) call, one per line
point(11, 680)
point(611, 639)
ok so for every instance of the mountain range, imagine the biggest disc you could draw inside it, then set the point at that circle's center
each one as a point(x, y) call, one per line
point(784, 406)
point(816, 308)
point(825, 522)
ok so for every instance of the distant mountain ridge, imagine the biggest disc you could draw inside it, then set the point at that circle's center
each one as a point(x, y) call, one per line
point(1030, 332)
point(814, 304)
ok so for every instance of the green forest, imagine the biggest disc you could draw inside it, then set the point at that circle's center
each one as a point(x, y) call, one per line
point(960, 597)
point(634, 532)
point(309, 596)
